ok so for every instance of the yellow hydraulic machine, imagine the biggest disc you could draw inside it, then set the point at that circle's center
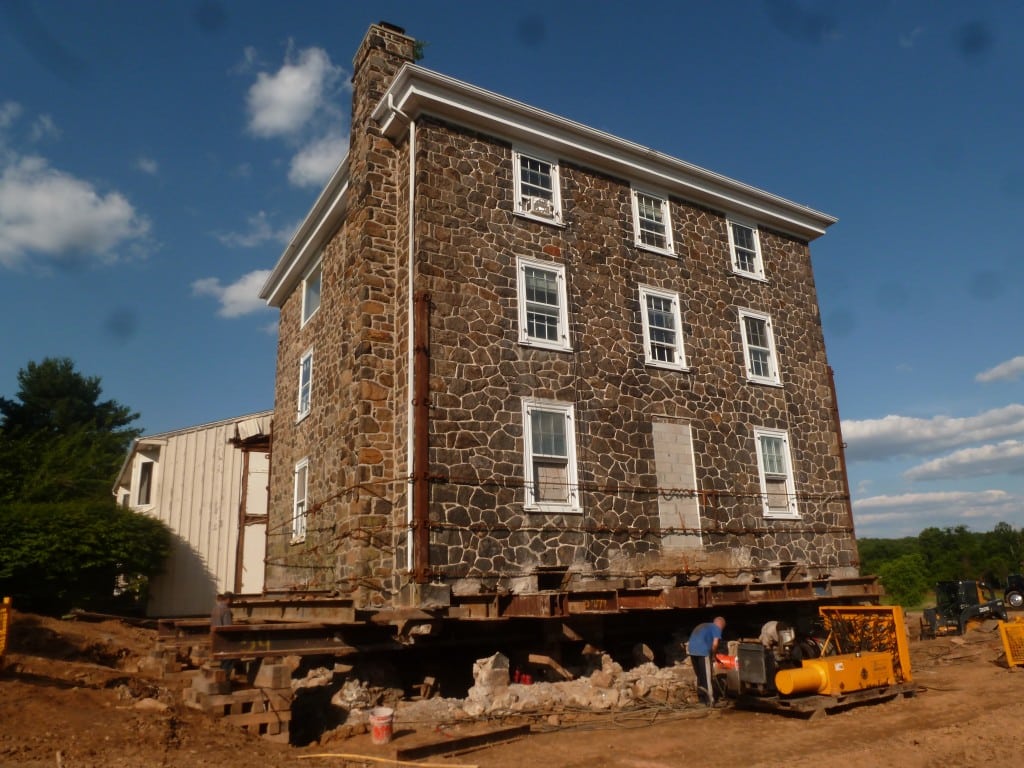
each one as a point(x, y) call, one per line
point(5, 623)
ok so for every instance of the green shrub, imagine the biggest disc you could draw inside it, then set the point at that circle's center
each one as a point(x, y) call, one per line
point(905, 580)
point(78, 554)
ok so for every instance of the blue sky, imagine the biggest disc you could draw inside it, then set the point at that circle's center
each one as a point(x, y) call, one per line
point(156, 157)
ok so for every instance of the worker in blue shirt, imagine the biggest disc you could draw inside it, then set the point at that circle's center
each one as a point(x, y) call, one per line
point(702, 646)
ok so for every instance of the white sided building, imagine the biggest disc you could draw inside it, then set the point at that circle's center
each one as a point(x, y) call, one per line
point(209, 484)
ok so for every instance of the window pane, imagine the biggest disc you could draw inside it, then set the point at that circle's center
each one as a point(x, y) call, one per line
point(773, 454)
point(542, 309)
point(547, 429)
point(535, 178)
point(757, 331)
point(311, 295)
point(305, 383)
point(759, 351)
point(651, 217)
point(661, 328)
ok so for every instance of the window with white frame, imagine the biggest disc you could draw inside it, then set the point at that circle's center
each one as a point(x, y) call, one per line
point(311, 291)
point(651, 221)
point(536, 186)
point(745, 247)
point(145, 495)
point(543, 308)
point(549, 456)
point(759, 347)
point(663, 328)
point(305, 384)
point(778, 491)
point(300, 500)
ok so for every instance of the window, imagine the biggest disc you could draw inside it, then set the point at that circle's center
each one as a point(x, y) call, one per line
point(311, 292)
point(536, 187)
point(745, 247)
point(543, 313)
point(145, 494)
point(651, 222)
point(663, 328)
point(778, 494)
point(550, 457)
point(305, 384)
point(299, 506)
point(759, 347)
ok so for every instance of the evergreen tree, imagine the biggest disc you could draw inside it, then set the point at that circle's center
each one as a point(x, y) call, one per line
point(58, 440)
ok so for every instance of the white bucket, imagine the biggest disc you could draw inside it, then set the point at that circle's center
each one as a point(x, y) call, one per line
point(381, 721)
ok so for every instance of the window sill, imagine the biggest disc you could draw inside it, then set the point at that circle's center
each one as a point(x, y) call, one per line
point(553, 509)
point(765, 382)
point(302, 417)
point(749, 275)
point(786, 517)
point(532, 344)
point(667, 366)
point(654, 249)
point(298, 540)
point(305, 322)
point(554, 222)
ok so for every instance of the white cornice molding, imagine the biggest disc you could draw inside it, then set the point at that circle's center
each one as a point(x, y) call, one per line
point(417, 91)
point(320, 223)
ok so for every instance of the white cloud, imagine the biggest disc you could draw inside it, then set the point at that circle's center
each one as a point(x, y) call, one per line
point(283, 103)
point(908, 40)
point(1009, 370)
point(259, 231)
point(9, 112)
point(875, 439)
point(1006, 457)
point(315, 162)
point(44, 128)
point(51, 213)
point(238, 298)
point(147, 165)
point(908, 514)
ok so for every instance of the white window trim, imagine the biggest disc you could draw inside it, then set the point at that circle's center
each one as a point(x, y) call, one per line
point(794, 512)
point(152, 484)
point(669, 249)
point(680, 364)
point(299, 521)
point(319, 265)
point(758, 273)
point(556, 194)
point(531, 503)
point(300, 413)
point(565, 344)
point(775, 378)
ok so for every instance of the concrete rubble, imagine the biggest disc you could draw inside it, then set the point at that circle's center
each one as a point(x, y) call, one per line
point(493, 695)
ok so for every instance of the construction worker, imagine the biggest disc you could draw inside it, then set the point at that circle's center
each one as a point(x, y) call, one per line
point(701, 647)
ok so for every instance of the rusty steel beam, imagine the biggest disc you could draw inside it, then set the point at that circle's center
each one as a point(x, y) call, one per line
point(421, 439)
point(294, 607)
point(271, 640)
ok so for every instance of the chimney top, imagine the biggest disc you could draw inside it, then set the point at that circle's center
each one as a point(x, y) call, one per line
point(392, 27)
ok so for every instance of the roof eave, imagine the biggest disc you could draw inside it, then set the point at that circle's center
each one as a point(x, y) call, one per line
point(321, 221)
point(416, 91)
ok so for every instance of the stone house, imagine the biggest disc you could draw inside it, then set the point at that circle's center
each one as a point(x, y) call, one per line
point(520, 357)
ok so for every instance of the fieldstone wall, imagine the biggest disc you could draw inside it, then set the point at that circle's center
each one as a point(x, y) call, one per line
point(468, 241)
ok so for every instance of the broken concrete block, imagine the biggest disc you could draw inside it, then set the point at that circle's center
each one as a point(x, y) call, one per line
point(273, 675)
point(491, 672)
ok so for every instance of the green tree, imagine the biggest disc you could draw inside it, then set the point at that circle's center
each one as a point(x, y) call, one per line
point(58, 440)
point(84, 553)
point(905, 580)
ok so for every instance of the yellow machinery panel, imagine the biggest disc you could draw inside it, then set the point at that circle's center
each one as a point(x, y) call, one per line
point(875, 628)
point(1012, 633)
point(838, 675)
point(5, 623)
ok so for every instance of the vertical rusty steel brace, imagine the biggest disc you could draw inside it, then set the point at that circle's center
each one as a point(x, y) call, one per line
point(842, 446)
point(420, 437)
point(243, 511)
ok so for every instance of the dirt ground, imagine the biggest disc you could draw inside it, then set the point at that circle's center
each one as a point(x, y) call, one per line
point(71, 697)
